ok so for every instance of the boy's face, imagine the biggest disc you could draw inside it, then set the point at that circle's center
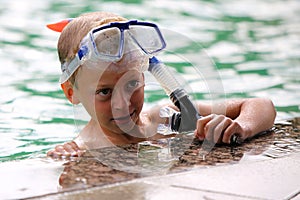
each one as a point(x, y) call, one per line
point(113, 98)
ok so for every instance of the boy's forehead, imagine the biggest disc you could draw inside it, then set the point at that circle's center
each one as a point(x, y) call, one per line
point(112, 76)
point(114, 72)
point(128, 64)
point(129, 61)
point(91, 72)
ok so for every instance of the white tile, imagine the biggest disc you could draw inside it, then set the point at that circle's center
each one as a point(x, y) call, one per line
point(269, 179)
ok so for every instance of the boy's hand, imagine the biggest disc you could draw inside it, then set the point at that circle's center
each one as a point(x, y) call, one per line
point(69, 149)
point(218, 129)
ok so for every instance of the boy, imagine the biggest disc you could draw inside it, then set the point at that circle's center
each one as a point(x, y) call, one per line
point(103, 70)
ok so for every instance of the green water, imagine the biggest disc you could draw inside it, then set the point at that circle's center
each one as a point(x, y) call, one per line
point(254, 44)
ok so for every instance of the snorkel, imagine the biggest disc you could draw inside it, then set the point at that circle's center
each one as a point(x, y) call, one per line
point(186, 119)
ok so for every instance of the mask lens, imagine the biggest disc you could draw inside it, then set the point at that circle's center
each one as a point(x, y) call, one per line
point(147, 38)
point(108, 42)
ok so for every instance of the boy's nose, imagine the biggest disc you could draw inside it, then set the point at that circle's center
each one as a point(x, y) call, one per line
point(120, 99)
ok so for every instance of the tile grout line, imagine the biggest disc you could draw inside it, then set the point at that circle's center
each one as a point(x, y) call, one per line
point(217, 192)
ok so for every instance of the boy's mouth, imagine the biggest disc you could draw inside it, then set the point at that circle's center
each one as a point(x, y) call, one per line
point(123, 120)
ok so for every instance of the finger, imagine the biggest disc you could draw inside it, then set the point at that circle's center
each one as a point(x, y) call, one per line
point(201, 123)
point(50, 153)
point(61, 149)
point(70, 147)
point(210, 127)
point(233, 128)
point(54, 154)
point(74, 145)
point(220, 128)
point(77, 150)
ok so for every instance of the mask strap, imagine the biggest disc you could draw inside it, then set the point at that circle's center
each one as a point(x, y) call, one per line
point(59, 26)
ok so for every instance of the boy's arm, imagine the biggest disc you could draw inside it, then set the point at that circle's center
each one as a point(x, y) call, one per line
point(245, 117)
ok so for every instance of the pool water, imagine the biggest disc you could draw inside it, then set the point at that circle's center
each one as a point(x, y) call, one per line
point(255, 47)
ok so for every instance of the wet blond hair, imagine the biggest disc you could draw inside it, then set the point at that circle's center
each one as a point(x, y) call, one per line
point(77, 29)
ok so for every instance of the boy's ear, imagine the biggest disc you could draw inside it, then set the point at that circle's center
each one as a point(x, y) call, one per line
point(67, 87)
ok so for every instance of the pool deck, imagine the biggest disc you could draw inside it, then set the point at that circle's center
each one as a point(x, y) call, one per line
point(269, 179)
point(266, 167)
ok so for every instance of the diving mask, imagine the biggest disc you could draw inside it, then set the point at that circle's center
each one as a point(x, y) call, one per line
point(107, 43)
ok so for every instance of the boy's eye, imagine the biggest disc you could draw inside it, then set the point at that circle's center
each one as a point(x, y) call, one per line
point(104, 92)
point(132, 84)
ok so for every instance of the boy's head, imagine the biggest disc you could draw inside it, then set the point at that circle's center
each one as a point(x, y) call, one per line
point(103, 57)
point(70, 42)
point(100, 84)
